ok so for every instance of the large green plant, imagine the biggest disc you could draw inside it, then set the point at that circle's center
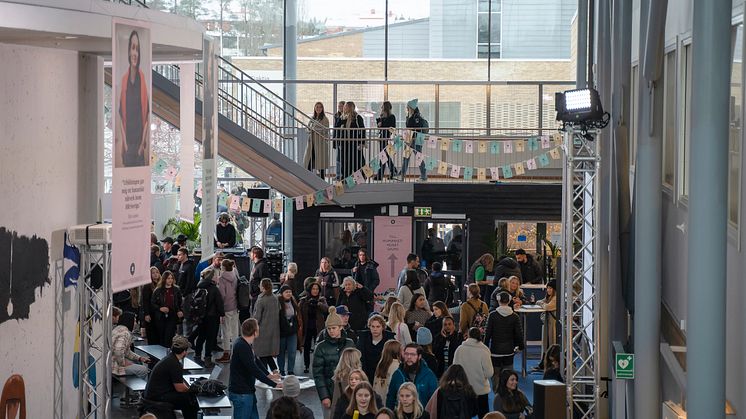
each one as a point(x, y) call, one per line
point(175, 226)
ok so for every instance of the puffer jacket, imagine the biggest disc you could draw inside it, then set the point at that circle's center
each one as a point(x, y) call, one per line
point(504, 332)
point(325, 360)
point(367, 274)
point(506, 268)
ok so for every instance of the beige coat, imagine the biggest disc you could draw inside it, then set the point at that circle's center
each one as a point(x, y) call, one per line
point(318, 145)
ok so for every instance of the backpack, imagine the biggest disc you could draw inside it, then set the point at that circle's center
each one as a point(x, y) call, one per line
point(425, 125)
point(480, 319)
point(243, 293)
point(198, 305)
point(208, 387)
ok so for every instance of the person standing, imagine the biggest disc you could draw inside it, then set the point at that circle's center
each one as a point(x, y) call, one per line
point(353, 133)
point(386, 367)
point(413, 262)
point(326, 357)
point(313, 308)
point(290, 330)
point(385, 121)
point(365, 271)
point(337, 133)
point(358, 300)
point(227, 284)
point(329, 280)
point(474, 357)
point(225, 232)
point(473, 312)
point(259, 271)
point(408, 406)
point(267, 313)
point(415, 370)
point(531, 271)
point(186, 280)
point(503, 335)
point(416, 123)
point(438, 287)
point(209, 326)
point(317, 152)
point(455, 398)
point(478, 274)
point(165, 308)
point(146, 314)
point(244, 371)
point(445, 344)
point(411, 286)
point(370, 343)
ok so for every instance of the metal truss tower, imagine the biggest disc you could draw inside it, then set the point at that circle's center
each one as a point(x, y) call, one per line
point(580, 271)
point(94, 309)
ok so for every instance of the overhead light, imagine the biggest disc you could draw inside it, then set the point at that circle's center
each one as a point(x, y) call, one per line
point(580, 107)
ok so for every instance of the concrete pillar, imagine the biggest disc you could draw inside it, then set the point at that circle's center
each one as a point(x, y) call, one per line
point(91, 132)
point(290, 66)
point(708, 203)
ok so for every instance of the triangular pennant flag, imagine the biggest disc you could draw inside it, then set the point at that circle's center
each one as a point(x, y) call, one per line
point(407, 152)
point(289, 204)
point(444, 143)
point(339, 188)
point(419, 158)
point(481, 174)
point(407, 135)
point(468, 172)
point(482, 146)
point(383, 157)
point(519, 146)
point(319, 196)
point(469, 146)
point(246, 205)
point(299, 203)
point(508, 147)
point(543, 160)
point(235, 202)
point(442, 168)
point(256, 205)
point(554, 153)
point(531, 164)
point(358, 176)
point(367, 171)
point(329, 193)
point(545, 142)
point(419, 139)
point(267, 206)
point(507, 172)
point(430, 163)
point(455, 171)
point(457, 146)
point(375, 164)
point(519, 170)
point(533, 143)
point(493, 173)
point(310, 200)
point(494, 147)
point(350, 182)
point(432, 142)
point(278, 206)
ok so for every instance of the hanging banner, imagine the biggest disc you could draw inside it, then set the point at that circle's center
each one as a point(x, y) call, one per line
point(186, 153)
point(209, 146)
point(131, 198)
point(392, 245)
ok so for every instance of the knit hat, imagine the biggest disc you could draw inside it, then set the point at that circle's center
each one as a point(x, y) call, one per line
point(180, 342)
point(424, 337)
point(285, 287)
point(333, 318)
point(552, 283)
point(291, 386)
point(412, 103)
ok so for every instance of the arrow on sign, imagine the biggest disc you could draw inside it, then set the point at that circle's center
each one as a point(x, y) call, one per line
point(393, 260)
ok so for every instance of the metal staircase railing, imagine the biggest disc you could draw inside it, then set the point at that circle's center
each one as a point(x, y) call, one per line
point(252, 106)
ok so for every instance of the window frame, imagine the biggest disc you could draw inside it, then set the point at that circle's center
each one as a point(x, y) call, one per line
point(499, 44)
point(670, 187)
point(734, 228)
point(683, 99)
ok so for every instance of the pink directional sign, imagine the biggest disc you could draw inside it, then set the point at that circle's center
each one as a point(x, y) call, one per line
point(392, 244)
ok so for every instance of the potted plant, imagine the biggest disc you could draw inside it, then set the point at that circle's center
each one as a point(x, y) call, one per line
point(176, 226)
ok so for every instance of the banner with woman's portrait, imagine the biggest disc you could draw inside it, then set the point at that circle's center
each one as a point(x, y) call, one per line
point(131, 113)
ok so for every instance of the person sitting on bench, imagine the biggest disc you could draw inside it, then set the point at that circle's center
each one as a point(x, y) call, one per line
point(121, 351)
point(166, 382)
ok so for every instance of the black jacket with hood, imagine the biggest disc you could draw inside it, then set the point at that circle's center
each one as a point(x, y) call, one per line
point(503, 332)
point(215, 305)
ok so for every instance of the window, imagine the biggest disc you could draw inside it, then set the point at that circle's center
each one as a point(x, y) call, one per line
point(669, 119)
point(633, 117)
point(685, 124)
point(736, 118)
point(488, 28)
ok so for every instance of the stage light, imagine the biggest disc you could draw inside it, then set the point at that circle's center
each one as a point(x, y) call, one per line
point(578, 105)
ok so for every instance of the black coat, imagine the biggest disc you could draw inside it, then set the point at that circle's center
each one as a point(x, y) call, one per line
point(531, 272)
point(503, 333)
point(186, 280)
point(158, 300)
point(367, 275)
point(359, 303)
point(506, 268)
point(439, 344)
point(439, 288)
point(370, 353)
point(258, 272)
point(215, 307)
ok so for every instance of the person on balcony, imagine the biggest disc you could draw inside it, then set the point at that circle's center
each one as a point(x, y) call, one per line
point(416, 123)
point(317, 152)
point(337, 133)
point(353, 127)
point(385, 121)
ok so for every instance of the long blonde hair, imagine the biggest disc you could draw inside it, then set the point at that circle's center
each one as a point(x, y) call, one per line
point(387, 306)
point(349, 360)
point(389, 354)
point(417, 405)
point(352, 115)
point(397, 313)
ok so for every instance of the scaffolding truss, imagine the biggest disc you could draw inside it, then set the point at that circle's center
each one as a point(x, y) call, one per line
point(580, 215)
point(95, 305)
point(59, 335)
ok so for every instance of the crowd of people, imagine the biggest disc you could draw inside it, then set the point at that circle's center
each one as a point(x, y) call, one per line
point(421, 353)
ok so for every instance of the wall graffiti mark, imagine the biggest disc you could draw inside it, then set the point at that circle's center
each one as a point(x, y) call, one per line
point(24, 267)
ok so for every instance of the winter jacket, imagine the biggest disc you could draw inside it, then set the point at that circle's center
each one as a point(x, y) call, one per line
point(439, 349)
point(370, 353)
point(293, 325)
point(359, 303)
point(516, 399)
point(158, 300)
point(325, 360)
point(305, 412)
point(267, 314)
point(469, 309)
point(424, 380)
point(435, 324)
point(506, 268)
point(330, 287)
point(214, 299)
point(494, 303)
point(451, 404)
point(145, 296)
point(185, 277)
point(504, 332)
point(227, 284)
point(258, 272)
point(531, 272)
point(474, 356)
point(318, 306)
point(439, 288)
point(367, 274)
point(406, 294)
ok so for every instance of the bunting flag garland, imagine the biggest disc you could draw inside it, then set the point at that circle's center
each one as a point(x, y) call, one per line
point(350, 182)
point(456, 146)
point(367, 171)
point(398, 143)
point(330, 193)
point(419, 139)
point(246, 205)
point(456, 171)
point(554, 153)
point(442, 168)
point(543, 160)
point(407, 152)
point(508, 147)
point(267, 206)
point(256, 205)
point(557, 139)
point(519, 146)
point(430, 163)
point(444, 143)
point(289, 205)
point(298, 203)
point(339, 188)
point(493, 173)
point(358, 176)
point(419, 158)
point(375, 164)
point(507, 172)
point(531, 164)
point(468, 147)
point(310, 199)
point(235, 203)
point(432, 142)
point(319, 197)
point(482, 147)
point(494, 147)
point(481, 175)
point(533, 144)
point(278, 205)
point(468, 173)
point(407, 135)
point(519, 168)
point(383, 157)
point(390, 149)
point(545, 143)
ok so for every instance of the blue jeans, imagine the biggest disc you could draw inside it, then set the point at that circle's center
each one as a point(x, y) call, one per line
point(405, 165)
point(288, 346)
point(244, 405)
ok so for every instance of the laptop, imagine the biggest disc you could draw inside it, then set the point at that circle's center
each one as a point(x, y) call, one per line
point(216, 370)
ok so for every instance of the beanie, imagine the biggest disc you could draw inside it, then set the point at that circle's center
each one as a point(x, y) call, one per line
point(285, 287)
point(333, 318)
point(412, 103)
point(424, 337)
point(291, 386)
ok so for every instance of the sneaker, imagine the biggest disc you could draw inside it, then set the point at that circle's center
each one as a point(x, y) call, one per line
point(224, 359)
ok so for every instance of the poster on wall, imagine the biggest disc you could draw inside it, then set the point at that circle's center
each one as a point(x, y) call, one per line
point(131, 200)
point(186, 153)
point(392, 244)
point(209, 146)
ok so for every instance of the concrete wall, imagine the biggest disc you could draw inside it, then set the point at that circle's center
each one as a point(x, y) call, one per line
point(47, 121)
point(453, 29)
point(405, 41)
point(537, 28)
